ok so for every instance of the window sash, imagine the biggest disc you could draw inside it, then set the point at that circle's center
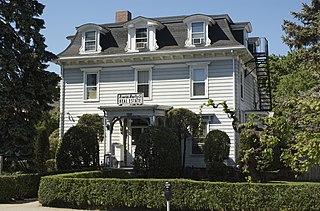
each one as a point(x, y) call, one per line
point(91, 86)
point(197, 32)
point(143, 82)
point(141, 37)
point(90, 41)
point(199, 77)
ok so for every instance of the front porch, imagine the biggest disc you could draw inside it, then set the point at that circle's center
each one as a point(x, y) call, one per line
point(131, 120)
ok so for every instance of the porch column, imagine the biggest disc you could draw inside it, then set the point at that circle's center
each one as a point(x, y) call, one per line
point(109, 135)
point(152, 120)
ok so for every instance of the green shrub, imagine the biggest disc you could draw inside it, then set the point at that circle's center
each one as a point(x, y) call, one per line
point(41, 148)
point(79, 148)
point(54, 141)
point(18, 186)
point(216, 150)
point(216, 146)
point(103, 193)
point(157, 153)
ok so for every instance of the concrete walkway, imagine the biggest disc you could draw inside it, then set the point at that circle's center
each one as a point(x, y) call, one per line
point(31, 204)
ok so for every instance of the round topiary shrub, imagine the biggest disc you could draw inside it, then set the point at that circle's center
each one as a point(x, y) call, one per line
point(158, 153)
point(79, 148)
point(216, 150)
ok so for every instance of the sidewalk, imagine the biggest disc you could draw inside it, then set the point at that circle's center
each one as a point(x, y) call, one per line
point(29, 205)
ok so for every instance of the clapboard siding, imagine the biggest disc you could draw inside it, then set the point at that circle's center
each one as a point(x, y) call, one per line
point(170, 86)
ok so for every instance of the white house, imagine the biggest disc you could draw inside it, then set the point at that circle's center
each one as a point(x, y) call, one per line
point(133, 71)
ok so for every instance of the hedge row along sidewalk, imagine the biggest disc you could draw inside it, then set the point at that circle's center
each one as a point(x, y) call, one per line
point(77, 191)
point(20, 186)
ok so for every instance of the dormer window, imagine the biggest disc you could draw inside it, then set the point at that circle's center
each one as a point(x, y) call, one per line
point(90, 38)
point(90, 41)
point(198, 30)
point(142, 34)
point(141, 38)
point(198, 33)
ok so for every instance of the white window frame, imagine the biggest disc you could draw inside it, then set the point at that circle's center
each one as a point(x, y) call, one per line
point(192, 67)
point(207, 21)
point(87, 71)
point(141, 68)
point(87, 41)
point(145, 43)
point(203, 32)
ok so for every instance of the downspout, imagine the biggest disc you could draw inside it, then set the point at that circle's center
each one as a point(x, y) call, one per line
point(234, 104)
point(62, 104)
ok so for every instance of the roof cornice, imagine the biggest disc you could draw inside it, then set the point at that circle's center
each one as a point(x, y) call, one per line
point(240, 51)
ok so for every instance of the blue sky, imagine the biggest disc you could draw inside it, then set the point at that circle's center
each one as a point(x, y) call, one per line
point(266, 16)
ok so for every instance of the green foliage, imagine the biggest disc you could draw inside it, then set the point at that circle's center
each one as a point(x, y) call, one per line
point(54, 141)
point(41, 149)
point(19, 186)
point(185, 124)
point(157, 153)
point(304, 141)
point(305, 35)
point(216, 150)
point(104, 193)
point(216, 146)
point(26, 87)
point(93, 121)
point(231, 113)
point(79, 148)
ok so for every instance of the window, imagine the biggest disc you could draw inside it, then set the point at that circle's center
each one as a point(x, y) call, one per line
point(141, 38)
point(198, 30)
point(91, 84)
point(90, 41)
point(198, 33)
point(241, 84)
point(198, 143)
point(143, 82)
point(199, 82)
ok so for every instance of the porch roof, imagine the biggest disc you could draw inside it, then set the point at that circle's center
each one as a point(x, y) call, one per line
point(135, 110)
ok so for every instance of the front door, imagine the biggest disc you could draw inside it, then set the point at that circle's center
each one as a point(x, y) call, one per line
point(136, 128)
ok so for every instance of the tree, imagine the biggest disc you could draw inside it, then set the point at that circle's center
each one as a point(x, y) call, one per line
point(79, 148)
point(185, 124)
point(157, 153)
point(305, 36)
point(93, 121)
point(26, 87)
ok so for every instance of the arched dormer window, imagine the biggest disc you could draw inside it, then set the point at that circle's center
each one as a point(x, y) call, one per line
point(198, 30)
point(142, 34)
point(90, 38)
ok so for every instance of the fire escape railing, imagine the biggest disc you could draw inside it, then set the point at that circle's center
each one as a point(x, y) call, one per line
point(258, 46)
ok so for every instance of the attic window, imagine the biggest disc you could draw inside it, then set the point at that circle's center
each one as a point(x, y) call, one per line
point(142, 34)
point(90, 41)
point(141, 38)
point(90, 38)
point(198, 30)
point(198, 33)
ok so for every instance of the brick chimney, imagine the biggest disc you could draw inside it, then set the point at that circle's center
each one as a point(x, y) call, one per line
point(123, 16)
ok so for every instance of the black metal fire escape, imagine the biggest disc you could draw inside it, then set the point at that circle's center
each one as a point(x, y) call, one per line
point(259, 49)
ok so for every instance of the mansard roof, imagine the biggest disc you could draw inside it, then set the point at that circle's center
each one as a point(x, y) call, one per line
point(171, 35)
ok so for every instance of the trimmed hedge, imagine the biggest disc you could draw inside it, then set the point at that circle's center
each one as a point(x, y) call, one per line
point(104, 193)
point(20, 186)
